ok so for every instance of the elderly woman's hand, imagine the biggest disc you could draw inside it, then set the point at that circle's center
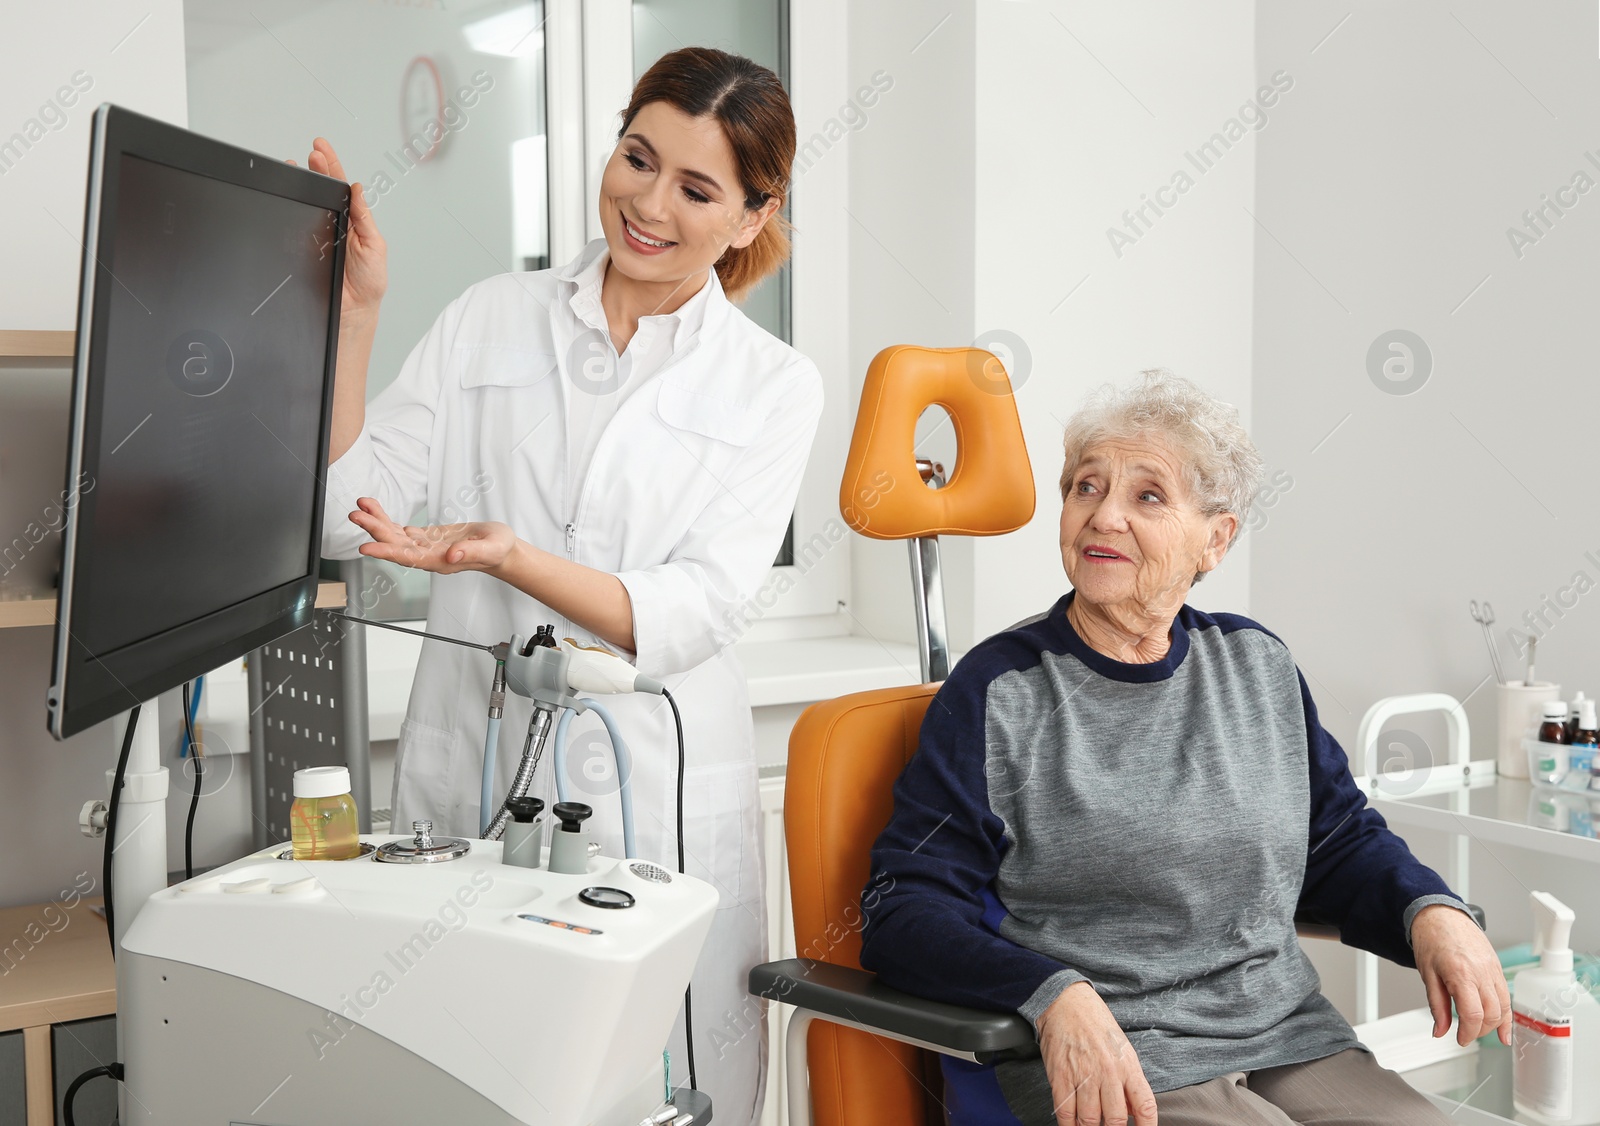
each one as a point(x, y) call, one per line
point(1457, 963)
point(1094, 1072)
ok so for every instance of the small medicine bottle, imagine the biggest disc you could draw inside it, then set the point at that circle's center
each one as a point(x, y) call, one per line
point(1572, 715)
point(323, 818)
point(1554, 727)
point(1585, 740)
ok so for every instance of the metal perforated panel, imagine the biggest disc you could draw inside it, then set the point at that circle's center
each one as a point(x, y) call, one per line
point(308, 708)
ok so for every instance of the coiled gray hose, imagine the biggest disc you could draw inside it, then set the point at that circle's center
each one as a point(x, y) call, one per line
point(532, 747)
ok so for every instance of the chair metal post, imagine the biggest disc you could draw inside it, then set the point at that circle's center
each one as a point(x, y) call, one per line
point(927, 591)
point(795, 1042)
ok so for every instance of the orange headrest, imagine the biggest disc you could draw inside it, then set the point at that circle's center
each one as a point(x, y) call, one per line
point(991, 492)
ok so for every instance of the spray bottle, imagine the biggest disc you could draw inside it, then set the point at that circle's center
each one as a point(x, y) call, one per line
point(1555, 1040)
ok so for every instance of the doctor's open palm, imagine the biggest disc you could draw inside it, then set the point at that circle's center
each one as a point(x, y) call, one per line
point(443, 549)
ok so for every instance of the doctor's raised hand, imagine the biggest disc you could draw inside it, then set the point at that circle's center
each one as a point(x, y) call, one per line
point(366, 279)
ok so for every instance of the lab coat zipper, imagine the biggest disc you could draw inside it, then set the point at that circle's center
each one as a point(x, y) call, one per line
point(572, 534)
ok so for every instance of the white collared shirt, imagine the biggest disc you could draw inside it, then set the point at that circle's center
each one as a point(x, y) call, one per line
point(657, 338)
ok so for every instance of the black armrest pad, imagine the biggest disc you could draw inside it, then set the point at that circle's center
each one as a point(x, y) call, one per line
point(1308, 929)
point(856, 995)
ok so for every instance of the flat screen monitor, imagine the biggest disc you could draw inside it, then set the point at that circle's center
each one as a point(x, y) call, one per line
point(208, 317)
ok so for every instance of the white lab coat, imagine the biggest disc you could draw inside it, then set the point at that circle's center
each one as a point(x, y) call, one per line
point(686, 500)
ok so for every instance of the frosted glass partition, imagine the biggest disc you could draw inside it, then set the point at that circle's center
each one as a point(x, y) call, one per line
point(438, 111)
point(756, 29)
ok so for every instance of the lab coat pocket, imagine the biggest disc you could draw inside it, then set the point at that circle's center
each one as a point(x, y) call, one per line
point(424, 768)
point(489, 366)
point(714, 417)
point(720, 811)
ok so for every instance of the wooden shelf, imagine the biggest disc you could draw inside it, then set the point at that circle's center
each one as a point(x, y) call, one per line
point(58, 968)
point(60, 965)
point(30, 344)
point(42, 611)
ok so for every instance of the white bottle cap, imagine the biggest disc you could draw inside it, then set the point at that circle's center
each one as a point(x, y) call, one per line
point(322, 782)
point(1586, 714)
point(1555, 709)
point(1552, 921)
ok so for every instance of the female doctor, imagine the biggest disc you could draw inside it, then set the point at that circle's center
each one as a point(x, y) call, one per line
point(613, 448)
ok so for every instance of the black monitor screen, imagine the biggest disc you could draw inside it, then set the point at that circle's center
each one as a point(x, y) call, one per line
point(209, 428)
point(200, 415)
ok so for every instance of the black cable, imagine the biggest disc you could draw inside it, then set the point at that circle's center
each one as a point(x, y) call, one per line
point(111, 826)
point(688, 999)
point(110, 1071)
point(194, 800)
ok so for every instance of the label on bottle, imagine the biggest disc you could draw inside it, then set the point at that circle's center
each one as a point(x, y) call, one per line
point(1541, 1054)
point(1581, 756)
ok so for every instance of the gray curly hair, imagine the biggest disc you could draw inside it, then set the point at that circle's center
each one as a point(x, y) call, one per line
point(1220, 462)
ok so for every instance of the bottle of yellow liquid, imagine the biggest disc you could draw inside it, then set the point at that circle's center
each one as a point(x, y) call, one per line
point(323, 817)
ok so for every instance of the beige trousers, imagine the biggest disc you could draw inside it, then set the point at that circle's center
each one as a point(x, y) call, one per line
point(1344, 1089)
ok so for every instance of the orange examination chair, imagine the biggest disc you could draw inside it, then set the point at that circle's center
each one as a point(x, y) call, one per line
point(867, 1054)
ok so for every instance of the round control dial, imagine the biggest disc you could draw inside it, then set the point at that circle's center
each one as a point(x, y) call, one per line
point(609, 898)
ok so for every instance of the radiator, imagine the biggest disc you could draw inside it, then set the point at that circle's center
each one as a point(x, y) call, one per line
point(780, 932)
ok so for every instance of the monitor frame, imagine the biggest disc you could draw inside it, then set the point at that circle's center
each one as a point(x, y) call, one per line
point(87, 688)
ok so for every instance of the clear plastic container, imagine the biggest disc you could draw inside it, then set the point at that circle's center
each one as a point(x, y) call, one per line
point(323, 818)
point(1548, 763)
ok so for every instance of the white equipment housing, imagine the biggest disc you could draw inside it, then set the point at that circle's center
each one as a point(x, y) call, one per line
point(275, 992)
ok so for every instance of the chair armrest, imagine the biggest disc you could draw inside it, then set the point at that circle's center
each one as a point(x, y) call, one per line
point(858, 996)
point(1307, 929)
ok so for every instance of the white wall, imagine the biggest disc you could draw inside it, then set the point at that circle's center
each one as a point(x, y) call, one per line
point(981, 191)
point(129, 55)
point(134, 57)
point(1415, 136)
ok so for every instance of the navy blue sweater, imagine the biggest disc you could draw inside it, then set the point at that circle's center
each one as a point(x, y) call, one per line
point(1154, 829)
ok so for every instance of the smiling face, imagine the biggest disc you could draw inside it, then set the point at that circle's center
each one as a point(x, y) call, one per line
point(1132, 534)
point(671, 201)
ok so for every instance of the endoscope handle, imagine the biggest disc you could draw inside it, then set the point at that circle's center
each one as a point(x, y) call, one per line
point(595, 670)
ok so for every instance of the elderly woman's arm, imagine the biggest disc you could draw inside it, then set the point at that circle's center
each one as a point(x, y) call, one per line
point(1363, 878)
point(929, 908)
point(1360, 877)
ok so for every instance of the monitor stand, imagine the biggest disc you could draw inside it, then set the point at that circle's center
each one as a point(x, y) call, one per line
point(139, 854)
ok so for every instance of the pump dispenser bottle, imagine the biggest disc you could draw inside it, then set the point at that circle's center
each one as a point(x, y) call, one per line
point(1555, 1040)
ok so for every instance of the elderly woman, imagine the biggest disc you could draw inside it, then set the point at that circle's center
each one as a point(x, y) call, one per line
point(1118, 809)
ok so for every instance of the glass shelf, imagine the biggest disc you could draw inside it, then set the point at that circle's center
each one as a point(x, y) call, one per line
point(1471, 1089)
point(1510, 811)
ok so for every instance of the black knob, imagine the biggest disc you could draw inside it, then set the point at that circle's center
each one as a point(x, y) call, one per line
point(543, 637)
point(572, 815)
point(524, 809)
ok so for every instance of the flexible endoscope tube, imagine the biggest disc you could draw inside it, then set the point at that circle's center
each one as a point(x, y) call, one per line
point(532, 748)
point(624, 765)
point(491, 746)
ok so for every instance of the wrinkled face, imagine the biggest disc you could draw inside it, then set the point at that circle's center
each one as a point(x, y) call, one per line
point(1131, 532)
point(673, 180)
